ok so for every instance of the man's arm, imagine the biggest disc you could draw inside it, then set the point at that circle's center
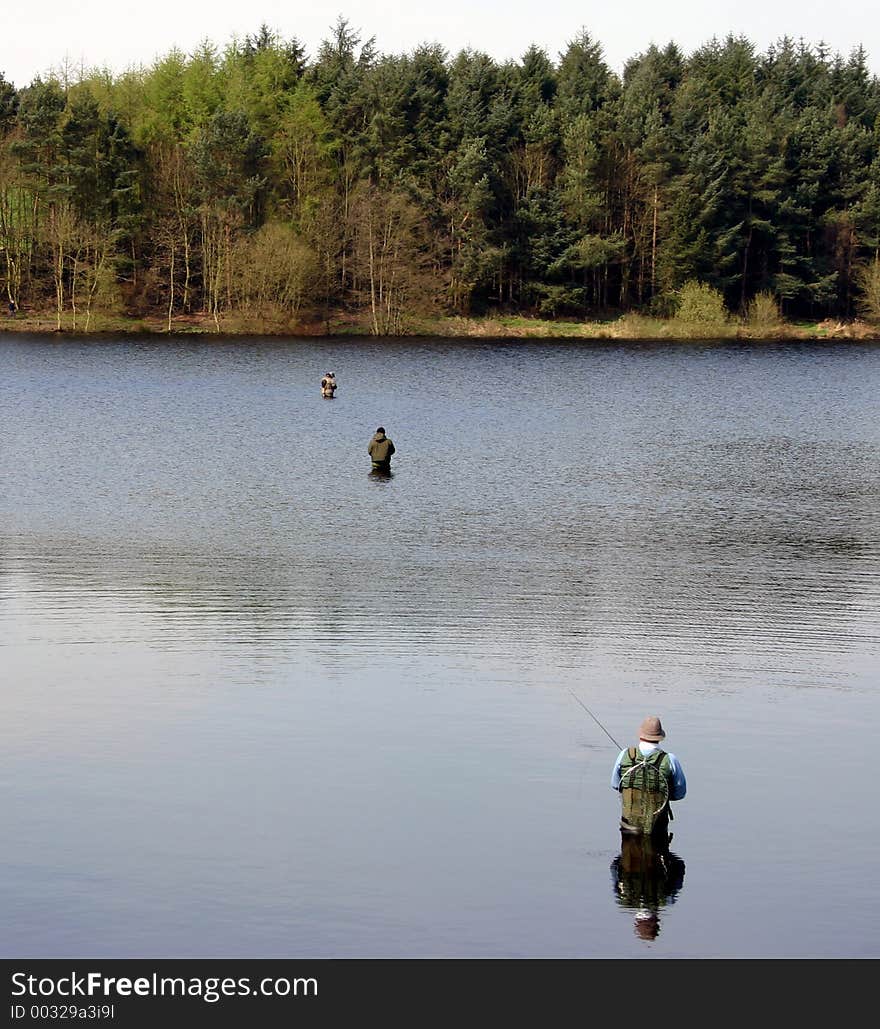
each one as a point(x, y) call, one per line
point(615, 774)
point(677, 783)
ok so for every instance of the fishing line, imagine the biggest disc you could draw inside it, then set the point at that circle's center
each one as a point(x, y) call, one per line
point(596, 720)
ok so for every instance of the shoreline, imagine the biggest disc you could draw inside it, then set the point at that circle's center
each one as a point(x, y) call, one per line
point(626, 327)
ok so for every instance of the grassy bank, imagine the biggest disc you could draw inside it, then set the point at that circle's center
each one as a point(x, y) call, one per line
point(629, 326)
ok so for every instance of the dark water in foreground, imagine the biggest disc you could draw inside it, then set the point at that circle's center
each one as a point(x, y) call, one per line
point(255, 702)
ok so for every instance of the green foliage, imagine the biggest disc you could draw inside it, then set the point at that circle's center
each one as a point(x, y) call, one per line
point(585, 82)
point(763, 316)
point(8, 105)
point(700, 304)
point(302, 152)
point(227, 157)
point(166, 113)
point(553, 301)
point(869, 283)
point(261, 75)
point(201, 86)
point(275, 272)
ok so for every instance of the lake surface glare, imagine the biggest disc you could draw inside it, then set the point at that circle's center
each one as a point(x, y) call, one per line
point(257, 702)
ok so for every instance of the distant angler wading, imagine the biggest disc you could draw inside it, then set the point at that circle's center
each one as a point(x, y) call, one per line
point(328, 386)
point(380, 450)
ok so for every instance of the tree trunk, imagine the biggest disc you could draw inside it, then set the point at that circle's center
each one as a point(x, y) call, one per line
point(654, 248)
point(171, 286)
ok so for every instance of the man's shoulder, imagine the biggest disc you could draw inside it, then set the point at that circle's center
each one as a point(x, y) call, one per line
point(671, 762)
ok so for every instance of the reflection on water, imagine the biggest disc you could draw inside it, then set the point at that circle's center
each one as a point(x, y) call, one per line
point(276, 704)
point(647, 877)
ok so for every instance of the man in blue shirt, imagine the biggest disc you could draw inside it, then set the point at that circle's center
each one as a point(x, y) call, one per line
point(647, 779)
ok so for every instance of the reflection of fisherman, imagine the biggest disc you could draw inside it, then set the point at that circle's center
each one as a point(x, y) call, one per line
point(328, 386)
point(380, 450)
point(647, 778)
point(647, 876)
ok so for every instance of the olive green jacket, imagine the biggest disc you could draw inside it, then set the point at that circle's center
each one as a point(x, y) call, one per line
point(380, 449)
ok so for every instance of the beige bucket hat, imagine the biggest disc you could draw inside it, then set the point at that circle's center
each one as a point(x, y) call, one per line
point(651, 730)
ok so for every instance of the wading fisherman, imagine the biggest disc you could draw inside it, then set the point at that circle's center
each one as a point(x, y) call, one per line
point(328, 386)
point(647, 779)
point(380, 450)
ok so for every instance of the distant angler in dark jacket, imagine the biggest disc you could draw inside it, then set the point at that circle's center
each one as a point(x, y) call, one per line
point(380, 450)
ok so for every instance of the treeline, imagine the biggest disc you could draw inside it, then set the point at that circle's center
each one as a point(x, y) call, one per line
point(257, 182)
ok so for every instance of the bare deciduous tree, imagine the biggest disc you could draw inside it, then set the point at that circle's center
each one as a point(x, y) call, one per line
point(275, 273)
point(391, 259)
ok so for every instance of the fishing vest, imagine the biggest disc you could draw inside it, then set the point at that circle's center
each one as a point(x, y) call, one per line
point(644, 791)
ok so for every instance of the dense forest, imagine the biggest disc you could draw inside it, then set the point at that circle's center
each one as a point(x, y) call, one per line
point(258, 181)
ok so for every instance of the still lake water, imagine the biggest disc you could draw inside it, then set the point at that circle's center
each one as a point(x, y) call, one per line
point(258, 703)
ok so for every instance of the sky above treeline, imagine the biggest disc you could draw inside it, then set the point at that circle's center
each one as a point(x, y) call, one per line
point(50, 35)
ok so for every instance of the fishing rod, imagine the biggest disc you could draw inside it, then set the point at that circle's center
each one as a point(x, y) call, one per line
point(595, 719)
